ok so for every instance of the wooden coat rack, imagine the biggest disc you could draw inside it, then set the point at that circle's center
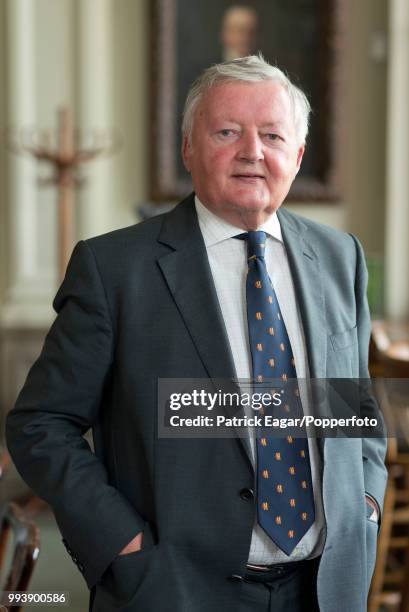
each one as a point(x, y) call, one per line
point(65, 159)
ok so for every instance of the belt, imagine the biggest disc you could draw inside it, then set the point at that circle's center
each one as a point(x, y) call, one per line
point(269, 573)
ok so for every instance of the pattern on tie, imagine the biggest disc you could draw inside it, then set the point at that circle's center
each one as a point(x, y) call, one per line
point(285, 502)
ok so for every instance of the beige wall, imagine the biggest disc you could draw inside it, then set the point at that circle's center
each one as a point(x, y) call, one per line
point(3, 196)
point(365, 125)
point(362, 128)
point(131, 105)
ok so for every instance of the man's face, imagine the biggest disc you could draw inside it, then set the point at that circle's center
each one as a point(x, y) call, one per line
point(244, 153)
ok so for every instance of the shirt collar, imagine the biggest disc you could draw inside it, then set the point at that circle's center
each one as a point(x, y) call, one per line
point(215, 229)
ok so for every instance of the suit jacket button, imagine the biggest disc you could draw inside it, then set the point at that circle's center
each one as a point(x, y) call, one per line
point(236, 578)
point(247, 494)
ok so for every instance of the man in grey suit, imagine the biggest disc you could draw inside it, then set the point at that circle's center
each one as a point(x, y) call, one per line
point(168, 525)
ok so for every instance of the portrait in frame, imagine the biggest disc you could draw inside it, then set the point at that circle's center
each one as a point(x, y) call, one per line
point(302, 37)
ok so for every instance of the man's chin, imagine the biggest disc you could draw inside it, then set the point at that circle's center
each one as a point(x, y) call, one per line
point(253, 207)
point(249, 204)
point(248, 217)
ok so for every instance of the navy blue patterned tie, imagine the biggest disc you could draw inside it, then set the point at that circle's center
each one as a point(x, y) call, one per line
point(285, 502)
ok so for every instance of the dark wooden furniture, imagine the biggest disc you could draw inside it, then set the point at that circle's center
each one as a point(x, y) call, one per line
point(390, 365)
point(19, 540)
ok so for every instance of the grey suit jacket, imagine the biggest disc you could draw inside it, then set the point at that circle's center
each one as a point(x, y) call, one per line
point(139, 304)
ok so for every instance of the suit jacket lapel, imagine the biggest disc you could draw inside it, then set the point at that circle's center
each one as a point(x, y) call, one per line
point(305, 269)
point(187, 273)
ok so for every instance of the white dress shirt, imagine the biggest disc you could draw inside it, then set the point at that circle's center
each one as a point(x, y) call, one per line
point(228, 263)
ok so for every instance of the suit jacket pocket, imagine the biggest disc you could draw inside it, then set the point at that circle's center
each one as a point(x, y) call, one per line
point(128, 572)
point(124, 576)
point(342, 340)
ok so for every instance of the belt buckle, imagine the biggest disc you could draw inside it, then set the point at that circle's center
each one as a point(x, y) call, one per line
point(258, 568)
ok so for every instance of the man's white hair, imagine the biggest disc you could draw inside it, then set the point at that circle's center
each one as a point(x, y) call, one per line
point(252, 69)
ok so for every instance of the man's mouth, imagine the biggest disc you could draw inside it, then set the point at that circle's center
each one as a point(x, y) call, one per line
point(248, 176)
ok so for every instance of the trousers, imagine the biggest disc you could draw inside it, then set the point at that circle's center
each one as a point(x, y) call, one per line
point(296, 591)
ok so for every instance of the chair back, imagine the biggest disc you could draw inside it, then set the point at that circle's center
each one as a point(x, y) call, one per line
point(19, 541)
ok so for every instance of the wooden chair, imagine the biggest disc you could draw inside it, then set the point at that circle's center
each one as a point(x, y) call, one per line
point(390, 588)
point(20, 540)
point(4, 461)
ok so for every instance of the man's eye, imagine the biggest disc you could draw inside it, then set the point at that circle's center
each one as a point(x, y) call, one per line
point(272, 136)
point(226, 132)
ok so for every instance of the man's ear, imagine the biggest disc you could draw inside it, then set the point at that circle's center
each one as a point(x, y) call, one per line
point(186, 152)
point(300, 154)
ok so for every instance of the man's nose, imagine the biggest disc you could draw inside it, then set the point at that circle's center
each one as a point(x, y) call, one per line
point(251, 148)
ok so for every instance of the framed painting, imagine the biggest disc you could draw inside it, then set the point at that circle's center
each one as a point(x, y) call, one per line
point(302, 37)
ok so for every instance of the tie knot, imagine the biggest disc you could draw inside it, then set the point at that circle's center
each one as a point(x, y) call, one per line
point(256, 244)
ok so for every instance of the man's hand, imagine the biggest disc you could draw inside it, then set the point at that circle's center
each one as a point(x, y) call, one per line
point(375, 514)
point(134, 545)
